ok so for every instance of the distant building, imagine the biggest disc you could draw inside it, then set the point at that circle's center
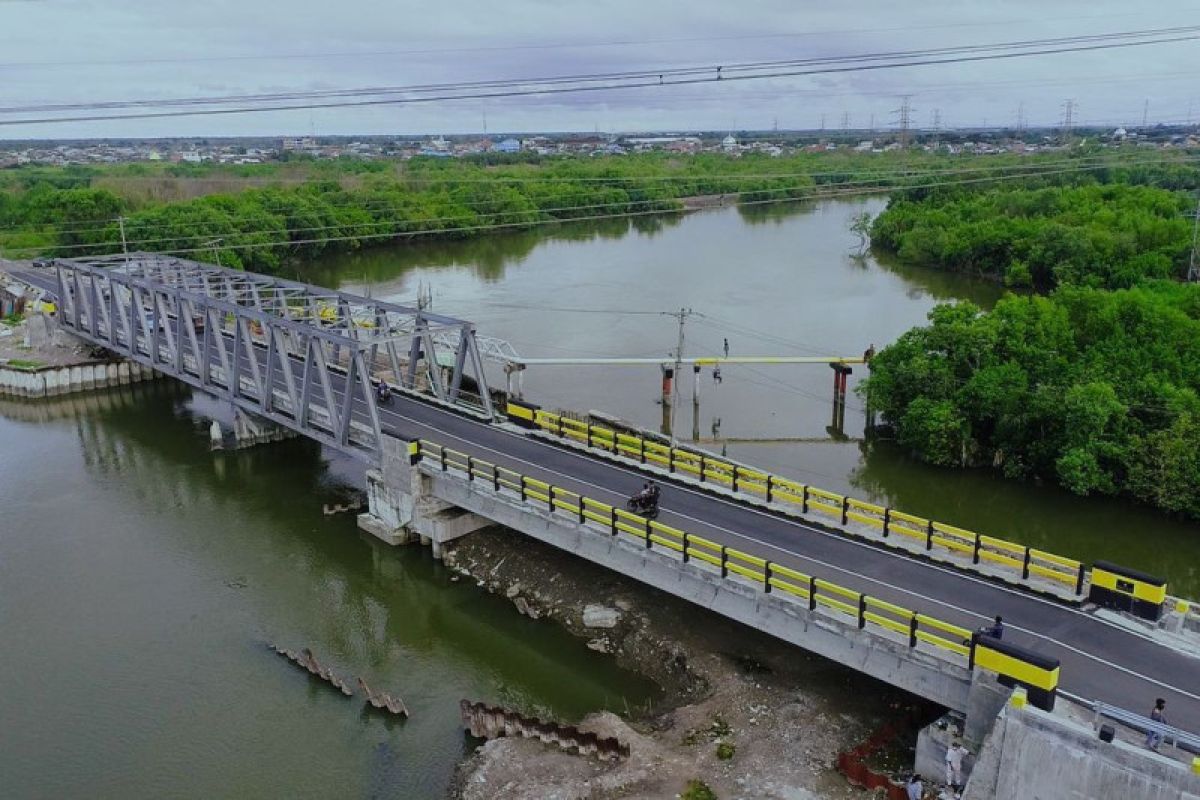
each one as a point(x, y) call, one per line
point(509, 145)
point(299, 143)
point(729, 144)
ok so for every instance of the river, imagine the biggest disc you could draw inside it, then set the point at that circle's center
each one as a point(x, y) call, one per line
point(142, 577)
point(773, 280)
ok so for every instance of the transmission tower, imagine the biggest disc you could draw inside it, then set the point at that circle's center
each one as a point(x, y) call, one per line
point(1145, 112)
point(822, 123)
point(846, 121)
point(1068, 118)
point(1020, 118)
point(904, 114)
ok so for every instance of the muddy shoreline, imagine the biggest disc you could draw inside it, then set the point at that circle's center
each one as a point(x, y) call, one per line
point(746, 714)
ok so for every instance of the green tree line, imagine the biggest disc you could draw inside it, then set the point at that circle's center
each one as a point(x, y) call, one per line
point(266, 214)
point(1106, 235)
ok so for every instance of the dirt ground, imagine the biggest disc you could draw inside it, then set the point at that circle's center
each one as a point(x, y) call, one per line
point(778, 715)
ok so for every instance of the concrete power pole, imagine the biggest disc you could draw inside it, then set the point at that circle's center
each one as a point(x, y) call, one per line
point(682, 316)
point(1193, 275)
point(124, 244)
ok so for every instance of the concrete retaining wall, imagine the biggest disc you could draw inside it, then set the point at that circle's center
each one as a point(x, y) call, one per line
point(1031, 753)
point(54, 381)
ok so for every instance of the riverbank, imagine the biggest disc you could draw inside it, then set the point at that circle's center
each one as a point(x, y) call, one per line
point(779, 716)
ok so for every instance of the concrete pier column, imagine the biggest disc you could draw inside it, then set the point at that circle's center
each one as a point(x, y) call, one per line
point(402, 507)
point(251, 429)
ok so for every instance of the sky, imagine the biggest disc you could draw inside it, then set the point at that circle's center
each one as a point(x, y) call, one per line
point(63, 51)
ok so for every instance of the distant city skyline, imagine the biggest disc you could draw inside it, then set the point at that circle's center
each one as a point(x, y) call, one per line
point(74, 51)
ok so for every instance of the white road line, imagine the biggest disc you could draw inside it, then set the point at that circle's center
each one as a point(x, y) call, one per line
point(810, 559)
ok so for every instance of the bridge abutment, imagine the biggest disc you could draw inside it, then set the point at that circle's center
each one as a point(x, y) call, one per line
point(402, 508)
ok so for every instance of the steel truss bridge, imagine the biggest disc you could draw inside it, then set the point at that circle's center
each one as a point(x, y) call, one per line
point(298, 355)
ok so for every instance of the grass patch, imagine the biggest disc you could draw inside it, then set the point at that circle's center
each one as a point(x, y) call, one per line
point(697, 789)
point(725, 751)
point(27, 364)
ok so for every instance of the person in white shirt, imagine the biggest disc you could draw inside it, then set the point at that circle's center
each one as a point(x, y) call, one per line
point(954, 763)
point(914, 788)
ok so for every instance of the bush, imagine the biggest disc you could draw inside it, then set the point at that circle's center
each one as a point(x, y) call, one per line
point(697, 789)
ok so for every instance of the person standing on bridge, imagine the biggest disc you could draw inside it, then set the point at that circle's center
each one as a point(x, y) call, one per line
point(996, 631)
point(914, 789)
point(1158, 714)
point(727, 348)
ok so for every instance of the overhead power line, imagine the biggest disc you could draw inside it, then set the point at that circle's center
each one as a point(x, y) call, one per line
point(670, 76)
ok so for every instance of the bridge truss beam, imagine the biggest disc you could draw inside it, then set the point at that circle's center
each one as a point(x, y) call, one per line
point(299, 355)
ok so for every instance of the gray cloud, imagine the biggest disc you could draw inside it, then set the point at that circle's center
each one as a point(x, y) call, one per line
point(171, 49)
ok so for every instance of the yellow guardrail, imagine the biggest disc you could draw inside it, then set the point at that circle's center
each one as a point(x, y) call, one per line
point(732, 563)
point(934, 536)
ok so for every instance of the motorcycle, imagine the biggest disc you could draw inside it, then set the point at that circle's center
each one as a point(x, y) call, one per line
point(383, 394)
point(644, 504)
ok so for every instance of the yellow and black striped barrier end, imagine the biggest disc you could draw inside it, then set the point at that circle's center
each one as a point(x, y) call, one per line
point(1018, 666)
point(1126, 589)
point(522, 413)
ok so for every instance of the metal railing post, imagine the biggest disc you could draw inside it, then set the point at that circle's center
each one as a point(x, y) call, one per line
point(1025, 566)
point(975, 555)
point(862, 611)
point(724, 561)
point(929, 535)
point(812, 593)
point(912, 631)
point(845, 510)
point(887, 522)
point(767, 578)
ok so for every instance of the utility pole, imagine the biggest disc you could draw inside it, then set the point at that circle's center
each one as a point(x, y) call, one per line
point(124, 244)
point(682, 316)
point(937, 127)
point(1193, 275)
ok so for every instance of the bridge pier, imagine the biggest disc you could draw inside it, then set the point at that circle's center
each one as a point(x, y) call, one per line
point(401, 506)
point(248, 430)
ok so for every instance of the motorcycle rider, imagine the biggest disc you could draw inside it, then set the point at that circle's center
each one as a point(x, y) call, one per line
point(383, 392)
